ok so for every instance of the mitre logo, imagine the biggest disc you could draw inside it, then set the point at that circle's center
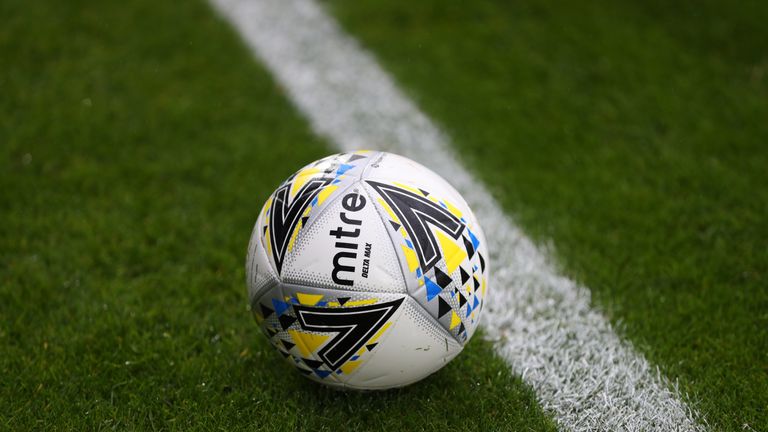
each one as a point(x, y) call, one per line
point(347, 244)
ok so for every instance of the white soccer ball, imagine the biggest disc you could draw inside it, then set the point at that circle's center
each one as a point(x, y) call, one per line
point(366, 270)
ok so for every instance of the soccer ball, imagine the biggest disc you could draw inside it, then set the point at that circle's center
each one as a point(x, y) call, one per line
point(366, 270)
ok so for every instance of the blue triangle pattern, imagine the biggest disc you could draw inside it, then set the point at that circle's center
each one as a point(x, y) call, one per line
point(475, 241)
point(322, 373)
point(280, 306)
point(433, 289)
point(343, 168)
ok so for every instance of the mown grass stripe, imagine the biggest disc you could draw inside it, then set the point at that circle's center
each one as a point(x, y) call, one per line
point(540, 321)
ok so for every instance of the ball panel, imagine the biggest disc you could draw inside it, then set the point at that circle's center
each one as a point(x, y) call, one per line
point(328, 335)
point(260, 274)
point(297, 201)
point(392, 168)
point(414, 348)
point(438, 238)
point(346, 247)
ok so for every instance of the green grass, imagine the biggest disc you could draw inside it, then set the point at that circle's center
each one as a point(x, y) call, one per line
point(138, 141)
point(634, 136)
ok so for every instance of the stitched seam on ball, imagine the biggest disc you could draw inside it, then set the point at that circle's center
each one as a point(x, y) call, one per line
point(376, 157)
point(270, 269)
point(391, 242)
point(311, 221)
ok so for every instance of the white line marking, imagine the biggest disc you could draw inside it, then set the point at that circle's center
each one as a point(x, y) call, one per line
point(540, 321)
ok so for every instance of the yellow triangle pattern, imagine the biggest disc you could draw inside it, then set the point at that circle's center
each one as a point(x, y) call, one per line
point(307, 342)
point(309, 299)
point(267, 205)
point(362, 302)
point(388, 209)
point(410, 188)
point(302, 178)
point(379, 333)
point(294, 235)
point(410, 258)
point(455, 320)
point(453, 253)
point(454, 211)
point(298, 228)
point(350, 366)
point(325, 193)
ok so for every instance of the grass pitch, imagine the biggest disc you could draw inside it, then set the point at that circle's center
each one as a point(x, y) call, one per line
point(139, 141)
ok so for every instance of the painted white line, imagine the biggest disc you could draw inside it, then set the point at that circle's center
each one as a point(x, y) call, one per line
point(540, 321)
